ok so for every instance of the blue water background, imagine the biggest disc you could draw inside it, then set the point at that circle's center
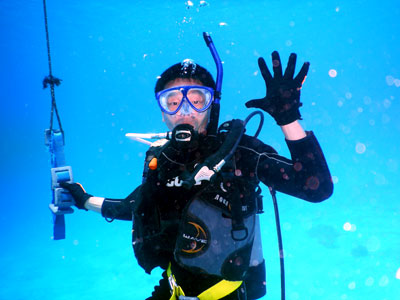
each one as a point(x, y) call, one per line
point(109, 53)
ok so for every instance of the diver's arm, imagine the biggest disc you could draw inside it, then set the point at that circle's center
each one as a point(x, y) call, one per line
point(305, 175)
point(293, 131)
point(94, 204)
point(310, 169)
point(109, 208)
point(120, 209)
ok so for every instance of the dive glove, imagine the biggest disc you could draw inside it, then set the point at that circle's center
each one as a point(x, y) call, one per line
point(77, 192)
point(282, 101)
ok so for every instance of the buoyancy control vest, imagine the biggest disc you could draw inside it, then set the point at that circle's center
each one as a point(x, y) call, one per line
point(217, 230)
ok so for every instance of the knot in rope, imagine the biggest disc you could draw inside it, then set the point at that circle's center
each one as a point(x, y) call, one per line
point(51, 80)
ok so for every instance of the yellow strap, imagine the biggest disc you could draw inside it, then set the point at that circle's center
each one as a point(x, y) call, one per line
point(176, 289)
point(217, 291)
point(220, 290)
point(169, 272)
point(176, 292)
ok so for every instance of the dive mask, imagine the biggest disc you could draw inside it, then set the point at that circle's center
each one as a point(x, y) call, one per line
point(199, 98)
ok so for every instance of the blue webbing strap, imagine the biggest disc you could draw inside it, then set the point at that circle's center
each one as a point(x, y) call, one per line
point(61, 202)
point(57, 160)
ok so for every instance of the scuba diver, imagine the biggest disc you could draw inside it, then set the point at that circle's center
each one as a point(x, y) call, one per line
point(195, 214)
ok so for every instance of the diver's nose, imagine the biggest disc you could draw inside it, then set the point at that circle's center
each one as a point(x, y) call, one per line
point(186, 109)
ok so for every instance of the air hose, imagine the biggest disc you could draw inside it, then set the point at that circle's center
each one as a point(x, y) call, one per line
point(207, 170)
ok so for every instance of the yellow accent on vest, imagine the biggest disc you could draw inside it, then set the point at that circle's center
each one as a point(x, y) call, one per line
point(217, 291)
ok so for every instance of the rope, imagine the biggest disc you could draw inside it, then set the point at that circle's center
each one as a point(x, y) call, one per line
point(51, 80)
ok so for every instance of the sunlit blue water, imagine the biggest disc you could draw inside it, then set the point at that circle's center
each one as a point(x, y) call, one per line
point(109, 55)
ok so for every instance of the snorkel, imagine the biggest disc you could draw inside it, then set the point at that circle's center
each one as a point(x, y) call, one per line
point(218, 63)
point(213, 125)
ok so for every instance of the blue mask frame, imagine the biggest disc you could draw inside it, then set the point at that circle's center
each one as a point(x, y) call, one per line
point(184, 89)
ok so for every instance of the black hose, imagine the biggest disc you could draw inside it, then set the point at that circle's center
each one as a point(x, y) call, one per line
point(280, 244)
point(214, 163)
point(249, 117)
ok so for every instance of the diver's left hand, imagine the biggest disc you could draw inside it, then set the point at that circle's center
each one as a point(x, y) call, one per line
point(282, 100)
point(77, 192)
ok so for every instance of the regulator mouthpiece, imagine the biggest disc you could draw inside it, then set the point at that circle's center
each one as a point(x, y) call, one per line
point(184, 136)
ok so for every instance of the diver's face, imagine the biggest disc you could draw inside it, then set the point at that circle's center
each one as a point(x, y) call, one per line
point(198, 120)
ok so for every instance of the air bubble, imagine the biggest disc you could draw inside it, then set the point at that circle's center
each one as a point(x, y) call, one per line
point(332, 73)
point(369, 281)
point(347, 226)
point(345, 129)
point(312, 183)
point(387, 103)
point(384, 281)
point(352, 285)
point(373, 244)
point(275, 63)
point(367, 100)
point(398, 274)
point(360, 148)
point(189, 4)
point(203, 3)
point(389, 80)
point(298, 166)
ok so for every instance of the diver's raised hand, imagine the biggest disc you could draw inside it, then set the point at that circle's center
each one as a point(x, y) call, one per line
point(77, 192)
point(282, 100)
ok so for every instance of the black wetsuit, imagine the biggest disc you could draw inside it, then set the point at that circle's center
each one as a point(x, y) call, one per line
point(305, 176)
